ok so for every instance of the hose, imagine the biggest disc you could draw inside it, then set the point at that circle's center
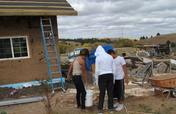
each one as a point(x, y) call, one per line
point(125, 109)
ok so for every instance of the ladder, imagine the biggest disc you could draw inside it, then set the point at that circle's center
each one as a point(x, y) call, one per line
point(51, 52)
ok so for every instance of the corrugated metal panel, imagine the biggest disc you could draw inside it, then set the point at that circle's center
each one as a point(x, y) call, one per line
point(35, 7)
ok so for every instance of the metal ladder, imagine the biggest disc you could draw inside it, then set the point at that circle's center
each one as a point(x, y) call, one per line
point(50, 48)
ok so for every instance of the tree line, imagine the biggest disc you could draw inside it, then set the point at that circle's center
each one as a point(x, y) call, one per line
point(89, 42)
point(172, 44)
point(145, 37)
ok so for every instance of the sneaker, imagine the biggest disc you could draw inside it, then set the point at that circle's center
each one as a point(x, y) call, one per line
point(116, 104)
point(100, 111)
point(120, 107)
point(111, 111)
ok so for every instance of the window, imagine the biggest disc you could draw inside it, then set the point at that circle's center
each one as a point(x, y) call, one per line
point(13, 47)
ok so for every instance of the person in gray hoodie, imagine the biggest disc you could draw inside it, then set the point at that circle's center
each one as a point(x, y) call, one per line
point(104, 77)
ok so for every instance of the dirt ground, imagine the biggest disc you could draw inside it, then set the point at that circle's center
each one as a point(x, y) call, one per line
point(136, 101)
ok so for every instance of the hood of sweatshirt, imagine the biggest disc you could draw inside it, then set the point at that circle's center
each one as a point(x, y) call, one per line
point(100, 51)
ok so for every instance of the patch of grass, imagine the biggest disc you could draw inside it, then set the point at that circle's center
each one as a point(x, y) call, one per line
point(142, 108)
point(162, 105)
point(168, 110)
point(162, 109)
point(145, 108)
point(165, 110)
point(157, 112)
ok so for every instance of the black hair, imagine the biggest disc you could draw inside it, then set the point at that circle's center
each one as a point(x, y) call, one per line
point(84, 52)
point(111, 51)
point(123, 54)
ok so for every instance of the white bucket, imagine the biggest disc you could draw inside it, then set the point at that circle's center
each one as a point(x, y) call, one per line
point(89, 98)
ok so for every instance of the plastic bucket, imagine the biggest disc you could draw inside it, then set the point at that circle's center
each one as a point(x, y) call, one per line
point(89, 98)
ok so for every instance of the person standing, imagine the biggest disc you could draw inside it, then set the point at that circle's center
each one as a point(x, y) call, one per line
point(120, 74)
point(104, 77)
point(78, 68)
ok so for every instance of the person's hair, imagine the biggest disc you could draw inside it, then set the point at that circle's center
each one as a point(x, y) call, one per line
point(123, 54)
point(84, 52)
point(111, 51)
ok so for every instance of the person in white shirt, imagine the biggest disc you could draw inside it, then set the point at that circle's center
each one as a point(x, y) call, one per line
point(104, 77)
point(120, 74)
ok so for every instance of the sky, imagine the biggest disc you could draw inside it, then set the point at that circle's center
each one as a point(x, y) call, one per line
point(118, 19)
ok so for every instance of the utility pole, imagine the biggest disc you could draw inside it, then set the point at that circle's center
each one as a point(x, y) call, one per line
point(122, 31)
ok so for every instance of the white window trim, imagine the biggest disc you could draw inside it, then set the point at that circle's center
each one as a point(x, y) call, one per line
point(27, 45)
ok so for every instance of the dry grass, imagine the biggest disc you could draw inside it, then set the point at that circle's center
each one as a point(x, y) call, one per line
point(162, 39)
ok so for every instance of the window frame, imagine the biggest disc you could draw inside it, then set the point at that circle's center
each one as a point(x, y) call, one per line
point(12, 48)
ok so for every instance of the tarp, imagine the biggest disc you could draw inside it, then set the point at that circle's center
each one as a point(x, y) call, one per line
point(33, 83)
point(91, 59)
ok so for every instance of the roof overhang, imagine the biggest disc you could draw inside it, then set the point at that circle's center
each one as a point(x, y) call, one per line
point(36, 13)
point(36, 8)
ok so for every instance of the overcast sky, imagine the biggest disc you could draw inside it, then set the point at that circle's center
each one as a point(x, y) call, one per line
point(118, 18)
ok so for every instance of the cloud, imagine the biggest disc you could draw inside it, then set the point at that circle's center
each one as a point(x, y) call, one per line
point(106, 18)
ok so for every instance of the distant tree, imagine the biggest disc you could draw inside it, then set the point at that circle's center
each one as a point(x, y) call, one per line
point(92, 41)
point(168, 42)
point(125, 43)
point(158, 34)
point(173, 44)
point(108, 41)
point(63, 48)
point(85, 45)
point(142, 37)
point(135, 40)
point(118, 45)
point(146, 37)
point(151, 36)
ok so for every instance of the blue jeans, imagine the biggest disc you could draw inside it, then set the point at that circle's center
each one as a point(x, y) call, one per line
point(81, 92)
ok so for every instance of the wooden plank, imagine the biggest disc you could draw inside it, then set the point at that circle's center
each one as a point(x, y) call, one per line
point(36, 12)
point(145, 68)
point(163, 77)
point(35, 2)
point(161, 60)
point(136, 58)
point(20, 101)
point(46, 7)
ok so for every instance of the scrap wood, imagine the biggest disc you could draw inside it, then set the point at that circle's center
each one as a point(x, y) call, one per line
point(139, 112)
point(138, 83)
point(136, 58)
point(20, 101)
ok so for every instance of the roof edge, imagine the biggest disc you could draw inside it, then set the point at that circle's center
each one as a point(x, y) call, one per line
point(37, 13)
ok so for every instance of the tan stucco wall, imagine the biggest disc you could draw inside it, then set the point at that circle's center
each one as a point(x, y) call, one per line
point(23, 70)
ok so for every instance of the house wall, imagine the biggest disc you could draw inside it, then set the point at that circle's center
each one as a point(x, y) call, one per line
point(28, 69)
